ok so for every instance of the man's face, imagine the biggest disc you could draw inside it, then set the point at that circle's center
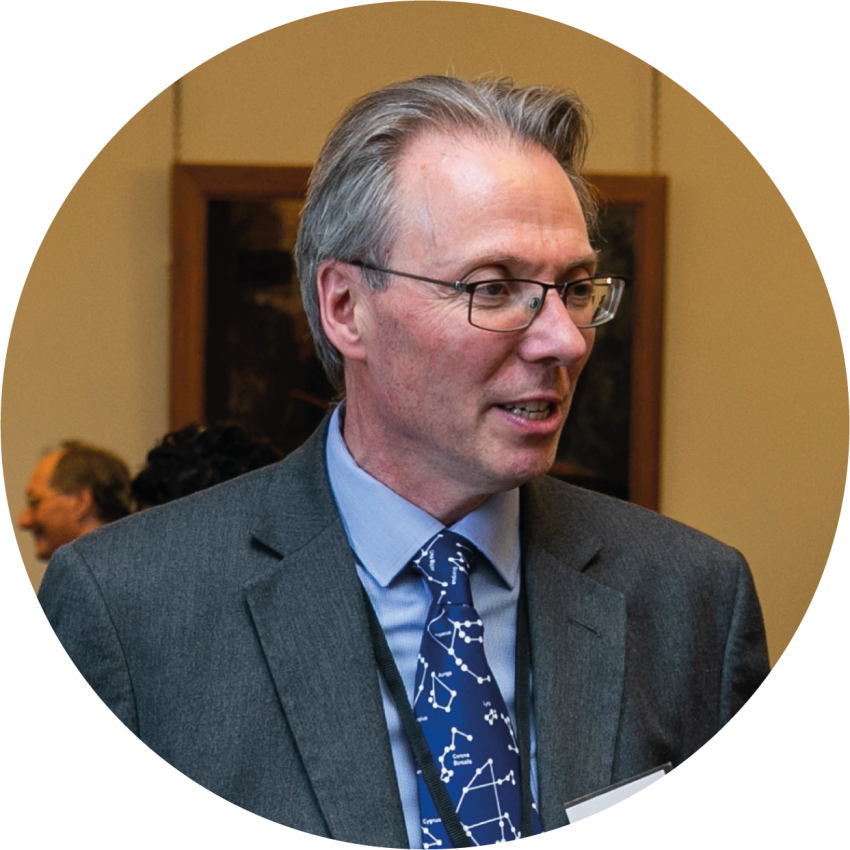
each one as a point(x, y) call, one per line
point(50, 516)
point(443, 408)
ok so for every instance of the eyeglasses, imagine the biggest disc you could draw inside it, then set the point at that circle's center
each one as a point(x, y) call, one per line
point(506, 305)
point(34, 501)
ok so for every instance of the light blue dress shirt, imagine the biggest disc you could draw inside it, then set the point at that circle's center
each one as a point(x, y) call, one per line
point(386, 531)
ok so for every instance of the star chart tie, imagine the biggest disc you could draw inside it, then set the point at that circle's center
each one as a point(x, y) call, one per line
point(460, 708)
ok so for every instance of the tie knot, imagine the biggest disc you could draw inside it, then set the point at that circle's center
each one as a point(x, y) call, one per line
point(446, 561)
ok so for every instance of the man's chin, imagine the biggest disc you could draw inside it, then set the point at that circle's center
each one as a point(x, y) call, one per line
point(525, 467)
point(43, 552)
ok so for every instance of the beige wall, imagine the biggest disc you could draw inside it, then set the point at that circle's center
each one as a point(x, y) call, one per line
point(755, 403)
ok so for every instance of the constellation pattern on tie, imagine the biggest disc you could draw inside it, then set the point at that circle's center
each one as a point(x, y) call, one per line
point(492, 716)
point(451, 634)
point(466, 723)
point(427, 834)
point(489, 786)
point(446, 773)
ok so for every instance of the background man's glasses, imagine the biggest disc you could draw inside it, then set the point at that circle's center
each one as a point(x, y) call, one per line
point(505, 305)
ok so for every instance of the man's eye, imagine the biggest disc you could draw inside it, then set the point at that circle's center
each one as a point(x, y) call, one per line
point(580, 293)
point(494, 289)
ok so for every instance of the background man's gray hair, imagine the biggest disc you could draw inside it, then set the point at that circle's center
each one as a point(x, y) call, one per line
point(351, 201)
point(84, 466)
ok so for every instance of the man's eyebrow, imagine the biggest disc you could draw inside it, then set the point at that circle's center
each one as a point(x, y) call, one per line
point(591, 259)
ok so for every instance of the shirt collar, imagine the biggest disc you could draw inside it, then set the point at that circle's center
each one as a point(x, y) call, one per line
point(385, 530)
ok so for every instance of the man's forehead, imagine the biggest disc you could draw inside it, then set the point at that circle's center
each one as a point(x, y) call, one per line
point(450, 182)
point(433, 151)
point(44, 469)
point(467, 165)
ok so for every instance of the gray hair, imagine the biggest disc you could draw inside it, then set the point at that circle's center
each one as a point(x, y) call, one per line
point(82, 465)
point(351, 200)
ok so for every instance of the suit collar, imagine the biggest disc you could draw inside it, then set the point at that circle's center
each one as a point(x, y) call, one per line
point(555, 520)
point(577, 627)
point(298, 504)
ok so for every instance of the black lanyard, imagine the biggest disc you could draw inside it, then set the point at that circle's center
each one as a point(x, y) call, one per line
point(416, 738)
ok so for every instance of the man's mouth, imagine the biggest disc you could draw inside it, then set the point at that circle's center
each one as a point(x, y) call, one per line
point(529, 409)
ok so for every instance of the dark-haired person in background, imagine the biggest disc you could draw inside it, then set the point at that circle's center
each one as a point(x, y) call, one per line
point(73, 490)
point(195, 457)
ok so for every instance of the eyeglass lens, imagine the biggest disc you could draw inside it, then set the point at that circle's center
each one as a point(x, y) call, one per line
point(504, 305)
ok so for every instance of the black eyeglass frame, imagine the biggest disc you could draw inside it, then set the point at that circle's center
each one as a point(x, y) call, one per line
point(461, 287)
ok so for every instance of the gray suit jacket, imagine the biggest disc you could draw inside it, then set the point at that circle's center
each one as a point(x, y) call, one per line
point(227, 630)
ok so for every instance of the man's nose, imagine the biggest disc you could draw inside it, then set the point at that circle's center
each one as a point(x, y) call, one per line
point(25, 519)
point(553, 334)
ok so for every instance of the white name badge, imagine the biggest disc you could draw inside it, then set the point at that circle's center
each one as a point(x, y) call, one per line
point(590, 804)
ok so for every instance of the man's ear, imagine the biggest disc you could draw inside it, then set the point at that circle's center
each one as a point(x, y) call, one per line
point(82, 502)
point(342, 295)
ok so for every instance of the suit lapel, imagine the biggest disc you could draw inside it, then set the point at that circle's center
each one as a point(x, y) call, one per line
point(311, 623)
point(578, 631)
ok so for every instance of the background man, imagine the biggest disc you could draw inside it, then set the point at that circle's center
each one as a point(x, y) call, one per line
point(72, 491)
point(452, 289)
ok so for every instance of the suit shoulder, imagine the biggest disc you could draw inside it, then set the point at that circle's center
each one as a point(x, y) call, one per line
point(659, 564)
point(293, 492)
point(198, 516)
point(559, 506)
point(219, 537)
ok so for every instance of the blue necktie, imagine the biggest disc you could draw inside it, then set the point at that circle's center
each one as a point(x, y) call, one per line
point(460, 708)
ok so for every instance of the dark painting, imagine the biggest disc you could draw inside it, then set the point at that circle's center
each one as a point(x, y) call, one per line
point(262, 370)
point(594, 448)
